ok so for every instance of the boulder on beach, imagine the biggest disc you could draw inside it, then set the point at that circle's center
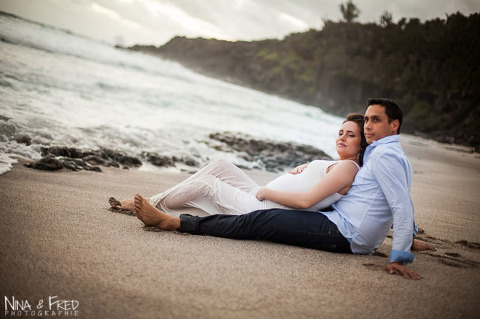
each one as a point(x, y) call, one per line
point(47, 163)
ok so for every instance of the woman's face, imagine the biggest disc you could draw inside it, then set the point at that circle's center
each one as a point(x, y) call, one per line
point(348, 140)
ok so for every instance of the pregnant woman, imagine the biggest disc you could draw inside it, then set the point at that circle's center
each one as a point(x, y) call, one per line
point(223, 188)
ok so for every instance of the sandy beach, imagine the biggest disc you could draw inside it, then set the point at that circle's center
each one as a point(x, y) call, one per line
point(58, 238)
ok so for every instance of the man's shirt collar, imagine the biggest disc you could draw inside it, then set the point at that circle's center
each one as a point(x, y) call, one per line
point(386, 140)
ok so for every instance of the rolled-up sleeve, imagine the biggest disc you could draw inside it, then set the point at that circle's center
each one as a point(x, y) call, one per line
point(394, 177)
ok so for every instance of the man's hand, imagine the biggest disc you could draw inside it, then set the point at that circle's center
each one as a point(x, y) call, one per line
point(394, 267)
point(421, 245)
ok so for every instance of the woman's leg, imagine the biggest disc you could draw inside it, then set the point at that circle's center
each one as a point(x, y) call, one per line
point(213, 196)
point(229, 173)
point(221, 169)
point(185, 191)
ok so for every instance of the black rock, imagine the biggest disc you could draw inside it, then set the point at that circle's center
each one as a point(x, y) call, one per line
point(93, 168)
point(111, 164)
point(24, 139)
point(159, 160)
point(190, 162)
point(73, 164)
point(48, 163)
point(94, 160)
point(62, 151)
point(105, 157)
point(273, 156)
point(128, 160)
point(108, 154)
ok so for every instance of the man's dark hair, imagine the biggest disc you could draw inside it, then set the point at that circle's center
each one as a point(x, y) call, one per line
point(392, 109)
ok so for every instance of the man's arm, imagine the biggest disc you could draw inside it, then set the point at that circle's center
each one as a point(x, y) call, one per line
point(393, 176)
point(394, 267)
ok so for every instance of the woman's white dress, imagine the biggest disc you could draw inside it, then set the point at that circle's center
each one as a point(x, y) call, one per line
point(223, 188)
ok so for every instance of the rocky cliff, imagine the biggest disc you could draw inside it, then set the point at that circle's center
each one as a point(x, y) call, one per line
point(431, 69)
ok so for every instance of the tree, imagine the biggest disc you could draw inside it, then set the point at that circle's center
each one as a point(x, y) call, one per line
point(386, 19)
point(349, 11)
point(402, 23)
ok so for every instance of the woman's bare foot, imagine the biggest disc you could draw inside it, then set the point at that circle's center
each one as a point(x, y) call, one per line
point(128, 204)
point(151, 216)
point(114, 202)
point(117, 207)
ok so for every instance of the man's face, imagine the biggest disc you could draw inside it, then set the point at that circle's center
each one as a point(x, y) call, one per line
point(376, 124)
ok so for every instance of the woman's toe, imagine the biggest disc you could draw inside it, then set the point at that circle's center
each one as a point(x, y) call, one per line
point(114, 202)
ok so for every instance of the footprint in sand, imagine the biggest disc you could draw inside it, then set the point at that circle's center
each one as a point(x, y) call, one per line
point(451, 258)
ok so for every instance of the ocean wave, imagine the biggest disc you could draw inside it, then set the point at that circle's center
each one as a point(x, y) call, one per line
point(83, 94)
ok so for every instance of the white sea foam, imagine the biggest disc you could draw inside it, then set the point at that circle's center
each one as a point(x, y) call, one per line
point(64, 89)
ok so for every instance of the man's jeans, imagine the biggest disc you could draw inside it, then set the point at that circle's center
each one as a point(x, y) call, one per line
point(290, 227)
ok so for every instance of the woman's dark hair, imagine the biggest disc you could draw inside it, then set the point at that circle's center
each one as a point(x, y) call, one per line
point(359, 119)
point(392, 109)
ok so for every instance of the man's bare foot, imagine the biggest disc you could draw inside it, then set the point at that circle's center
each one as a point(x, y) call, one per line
point(418, 245)
point(151, 216)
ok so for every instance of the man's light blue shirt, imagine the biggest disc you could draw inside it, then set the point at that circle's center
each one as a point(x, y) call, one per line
point(379, 197)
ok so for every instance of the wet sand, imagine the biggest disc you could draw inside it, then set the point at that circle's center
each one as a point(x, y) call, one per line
point(58, 238)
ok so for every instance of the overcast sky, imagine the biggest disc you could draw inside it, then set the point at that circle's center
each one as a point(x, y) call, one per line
point(156, 21)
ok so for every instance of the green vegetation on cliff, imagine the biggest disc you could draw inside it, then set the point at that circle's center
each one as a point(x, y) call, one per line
point(431, 69)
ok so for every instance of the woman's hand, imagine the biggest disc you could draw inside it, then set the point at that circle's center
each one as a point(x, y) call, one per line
point(298, 169)
point(261, 193)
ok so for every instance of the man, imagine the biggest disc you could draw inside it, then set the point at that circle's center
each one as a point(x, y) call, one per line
point(358, 223)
